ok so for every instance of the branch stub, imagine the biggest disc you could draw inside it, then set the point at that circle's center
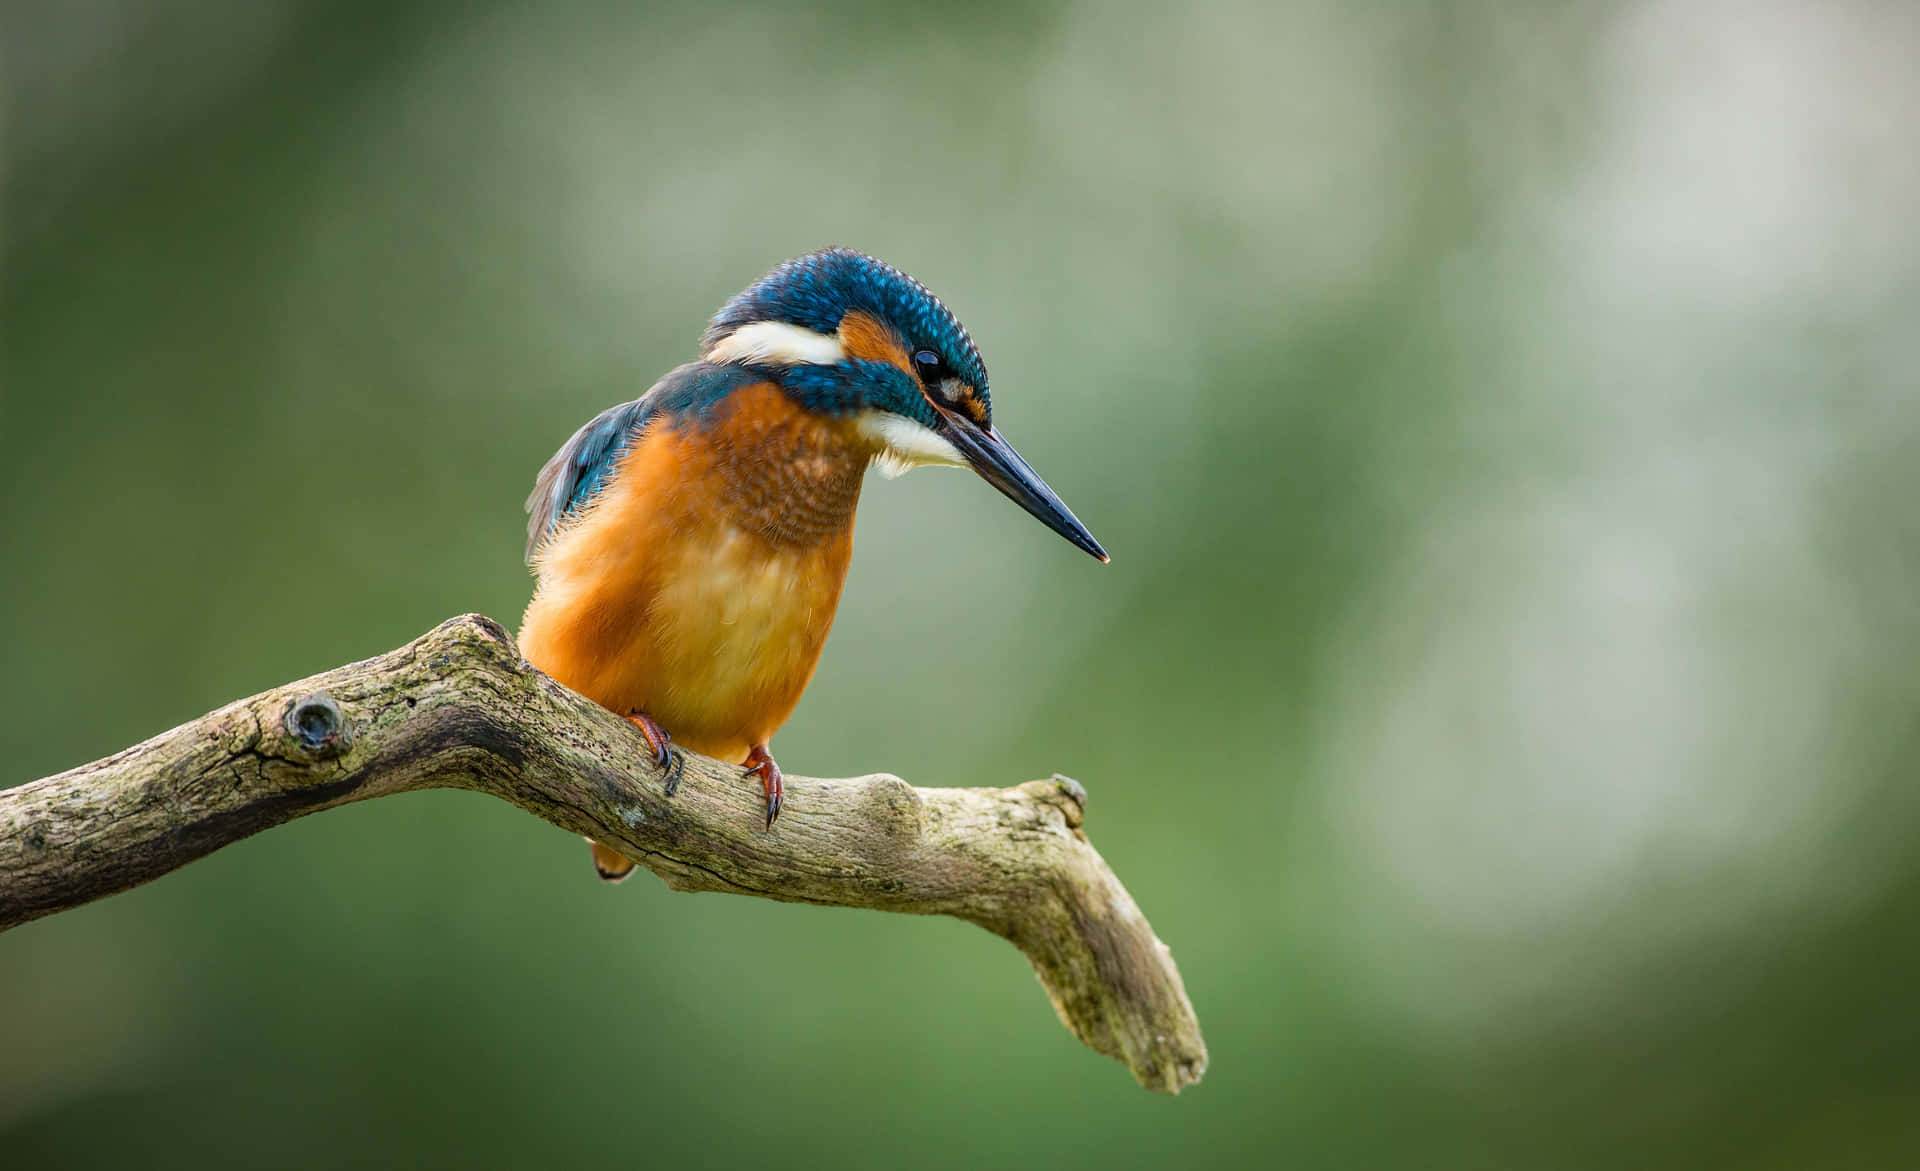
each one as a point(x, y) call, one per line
point(318, 728)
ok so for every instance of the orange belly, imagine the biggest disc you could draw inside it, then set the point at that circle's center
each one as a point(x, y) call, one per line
point(687, 592)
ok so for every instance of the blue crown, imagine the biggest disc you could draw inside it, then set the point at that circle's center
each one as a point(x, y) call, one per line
point(816, 290)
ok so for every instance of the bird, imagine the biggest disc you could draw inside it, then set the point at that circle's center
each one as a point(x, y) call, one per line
point(690, 546)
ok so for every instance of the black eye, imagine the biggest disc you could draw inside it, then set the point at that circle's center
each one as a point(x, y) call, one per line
point(930, 366)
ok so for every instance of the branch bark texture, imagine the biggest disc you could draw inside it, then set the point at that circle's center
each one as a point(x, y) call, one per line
point(459, 708)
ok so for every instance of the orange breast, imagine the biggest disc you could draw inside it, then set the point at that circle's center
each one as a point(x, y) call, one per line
point(700, 585)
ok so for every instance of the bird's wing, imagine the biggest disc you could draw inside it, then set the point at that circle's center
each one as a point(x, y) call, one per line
point(574, 473)
point(570, 479)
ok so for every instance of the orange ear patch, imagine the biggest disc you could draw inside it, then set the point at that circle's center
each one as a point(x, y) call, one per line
point(866, 338)
point(970, 403)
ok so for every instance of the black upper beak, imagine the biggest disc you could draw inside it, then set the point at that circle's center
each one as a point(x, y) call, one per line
point(1000, 465)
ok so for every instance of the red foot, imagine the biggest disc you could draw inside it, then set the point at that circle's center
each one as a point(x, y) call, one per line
point(759, 762)
point(664, 757)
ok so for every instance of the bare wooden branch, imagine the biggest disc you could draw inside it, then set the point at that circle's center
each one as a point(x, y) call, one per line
point(459, 708)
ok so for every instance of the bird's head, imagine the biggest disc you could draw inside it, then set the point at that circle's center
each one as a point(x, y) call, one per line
point(855, 338)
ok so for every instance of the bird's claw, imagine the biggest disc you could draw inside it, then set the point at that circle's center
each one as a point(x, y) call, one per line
point(668, 759)
point(760, 763)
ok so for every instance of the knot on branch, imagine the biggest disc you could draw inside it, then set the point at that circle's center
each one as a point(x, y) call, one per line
point(1075, 793)
point(317, 728)
point(895, 804)
point(1062, 794)
point(475, 639)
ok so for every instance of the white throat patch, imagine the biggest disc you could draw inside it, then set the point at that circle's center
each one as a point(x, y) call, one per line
point(906, 445)
point(776, 343)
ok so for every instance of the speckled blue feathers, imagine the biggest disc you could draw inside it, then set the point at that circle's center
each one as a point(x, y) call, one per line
point(578, 470)
point(816, 290)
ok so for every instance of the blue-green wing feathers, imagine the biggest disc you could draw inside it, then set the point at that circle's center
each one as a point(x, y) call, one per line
point(574, 473)
point(580, 468)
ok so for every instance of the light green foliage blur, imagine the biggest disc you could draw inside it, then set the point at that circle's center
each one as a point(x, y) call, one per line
point(1503, 418)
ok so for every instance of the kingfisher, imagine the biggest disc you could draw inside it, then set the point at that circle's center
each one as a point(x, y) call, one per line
point(690, 545)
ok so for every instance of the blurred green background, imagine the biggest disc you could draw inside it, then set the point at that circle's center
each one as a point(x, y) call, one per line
point(1505, 419)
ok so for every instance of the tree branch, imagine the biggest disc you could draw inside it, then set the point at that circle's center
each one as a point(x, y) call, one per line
point(459, 708)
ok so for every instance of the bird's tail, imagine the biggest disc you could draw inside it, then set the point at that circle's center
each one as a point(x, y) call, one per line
point(611, 865)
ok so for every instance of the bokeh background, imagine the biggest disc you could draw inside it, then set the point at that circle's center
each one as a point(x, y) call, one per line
point(1505, 418)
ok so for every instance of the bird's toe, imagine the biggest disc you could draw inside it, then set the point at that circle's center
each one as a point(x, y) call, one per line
point(761, 763)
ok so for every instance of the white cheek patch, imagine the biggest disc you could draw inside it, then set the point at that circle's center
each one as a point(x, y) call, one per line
point(776, 343)
point(905, 444)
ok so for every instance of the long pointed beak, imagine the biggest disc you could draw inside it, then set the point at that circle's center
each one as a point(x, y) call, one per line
point(1000, 465)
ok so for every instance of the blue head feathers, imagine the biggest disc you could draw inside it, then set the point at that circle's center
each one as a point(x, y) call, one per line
point(816, 291)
